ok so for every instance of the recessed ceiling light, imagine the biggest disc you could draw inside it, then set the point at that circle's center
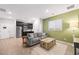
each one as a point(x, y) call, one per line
point(9, 12)
point(33, 19)
point(47, 10)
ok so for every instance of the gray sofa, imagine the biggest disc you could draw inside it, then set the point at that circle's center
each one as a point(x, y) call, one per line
point(34, 38)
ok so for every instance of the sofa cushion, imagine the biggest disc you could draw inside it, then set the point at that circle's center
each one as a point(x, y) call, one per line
point(35, 35)
point(39, 34)
point(30, 35)
point(35, 40)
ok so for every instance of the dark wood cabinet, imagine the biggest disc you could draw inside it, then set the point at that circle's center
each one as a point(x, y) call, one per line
point(26, 32)
point(26, 27)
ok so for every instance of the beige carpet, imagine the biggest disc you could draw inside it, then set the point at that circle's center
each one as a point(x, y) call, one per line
point(58, 49)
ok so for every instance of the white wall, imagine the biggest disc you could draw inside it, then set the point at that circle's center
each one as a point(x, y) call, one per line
point(10, 30)
point(37, 25)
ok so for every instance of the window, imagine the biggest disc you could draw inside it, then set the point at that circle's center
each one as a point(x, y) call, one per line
point(55, 25)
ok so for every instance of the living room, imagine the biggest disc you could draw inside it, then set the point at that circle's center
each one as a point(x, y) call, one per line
point(39, 29)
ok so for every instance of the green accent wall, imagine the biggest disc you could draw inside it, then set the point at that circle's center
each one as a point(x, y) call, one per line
point(65, 34)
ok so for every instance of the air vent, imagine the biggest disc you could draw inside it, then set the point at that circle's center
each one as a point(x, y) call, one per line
point(71, 6)
point(3, 10)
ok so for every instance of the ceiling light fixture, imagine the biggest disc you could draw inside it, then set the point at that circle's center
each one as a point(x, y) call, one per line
point(47, 10)
point(9, 12)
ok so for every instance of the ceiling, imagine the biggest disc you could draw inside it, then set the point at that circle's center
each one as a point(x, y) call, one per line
point(26, 12)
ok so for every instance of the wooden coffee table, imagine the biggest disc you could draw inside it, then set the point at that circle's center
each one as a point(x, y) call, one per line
point(47, 43)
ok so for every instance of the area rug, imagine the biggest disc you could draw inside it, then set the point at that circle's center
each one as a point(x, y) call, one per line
point(58, 49)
